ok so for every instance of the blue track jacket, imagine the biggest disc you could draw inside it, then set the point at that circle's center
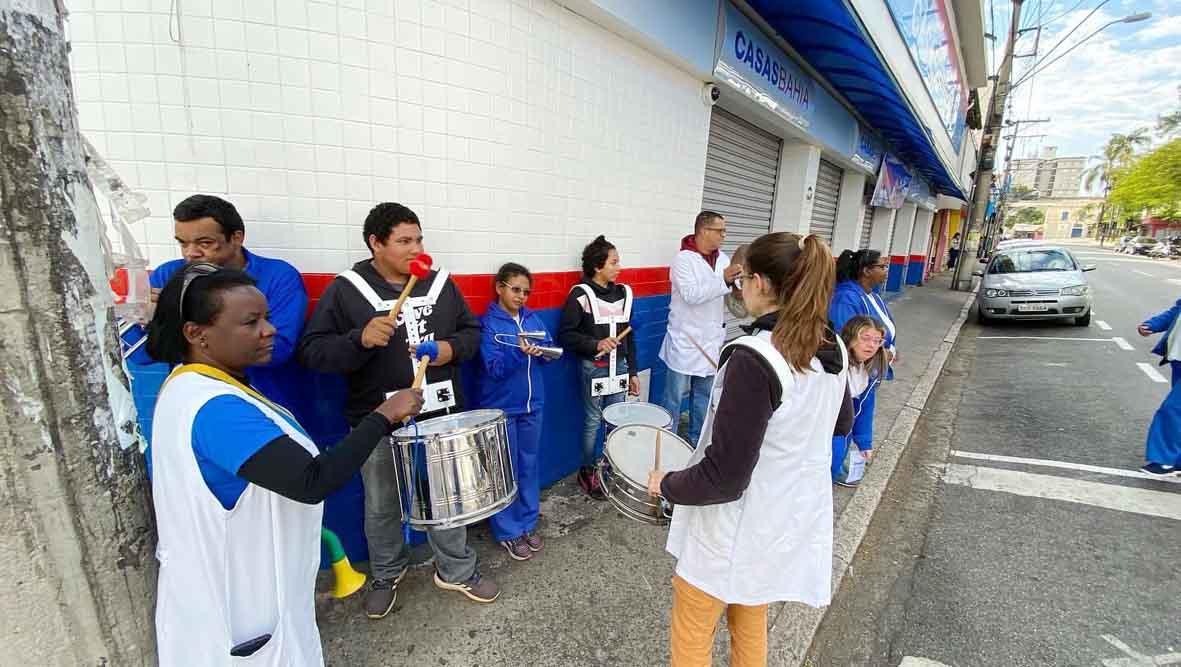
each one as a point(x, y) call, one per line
point(512, 379)
point(1163, 322)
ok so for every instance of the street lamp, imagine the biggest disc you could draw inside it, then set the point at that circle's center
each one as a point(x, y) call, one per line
point(1038, 68)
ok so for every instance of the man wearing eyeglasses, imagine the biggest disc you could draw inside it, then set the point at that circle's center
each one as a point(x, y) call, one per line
point(701, 277)
point(209, 229)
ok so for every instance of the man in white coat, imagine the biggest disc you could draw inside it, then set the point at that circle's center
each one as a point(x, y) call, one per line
point(701, 277)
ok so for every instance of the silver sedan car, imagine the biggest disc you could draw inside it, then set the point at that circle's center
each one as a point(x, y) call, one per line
point(1035, 283)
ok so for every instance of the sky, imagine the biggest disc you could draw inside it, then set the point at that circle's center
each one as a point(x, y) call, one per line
point(1120, 79)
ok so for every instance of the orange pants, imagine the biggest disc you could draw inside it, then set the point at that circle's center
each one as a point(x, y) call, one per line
point(695, 621)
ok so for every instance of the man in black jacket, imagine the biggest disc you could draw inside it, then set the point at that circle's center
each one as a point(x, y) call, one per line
point(351, 333)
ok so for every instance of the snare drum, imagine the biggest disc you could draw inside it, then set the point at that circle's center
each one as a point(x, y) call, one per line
point(627, 413)
point(628, 457)
point(454, 470)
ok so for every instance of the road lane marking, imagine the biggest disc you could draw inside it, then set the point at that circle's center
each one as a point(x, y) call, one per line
point(1042, 338)
point(912, 661)
point(1063, 465)
point(1123, 344)
point(1164, 504)
point(1142, 273)
point(1134, 658)
point(1151, 372)
point(1101, 324)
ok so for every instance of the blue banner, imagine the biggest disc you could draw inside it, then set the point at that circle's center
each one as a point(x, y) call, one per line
point(869, 150)
point(757, 68)
point(893, 183)
point(926, 28)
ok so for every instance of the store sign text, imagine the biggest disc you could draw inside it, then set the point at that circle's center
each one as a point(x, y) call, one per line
point(766, 66)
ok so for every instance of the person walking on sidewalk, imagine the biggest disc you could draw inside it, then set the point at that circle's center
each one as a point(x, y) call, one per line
point(351, 333)
point(953, 250)
point(238, 484)
point(701, 277)
point(512, 382)
point(863, 337)
point(596, 313)
point(753, 517)
point(1163, 448)
point(858, 273)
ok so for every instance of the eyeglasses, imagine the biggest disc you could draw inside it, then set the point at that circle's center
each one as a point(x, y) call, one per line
point(519, 291)
point(880, 265)
point(191, 273)
point(870, 338)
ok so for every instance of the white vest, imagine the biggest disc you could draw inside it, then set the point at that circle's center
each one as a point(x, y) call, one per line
point(775, 542)
point(228, 576)
point(601, 311)
point(696, 314)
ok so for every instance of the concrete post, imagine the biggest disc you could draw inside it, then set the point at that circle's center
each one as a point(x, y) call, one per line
point(794, 190)
point(850, 212)
point(77, 549)
point(883, 229)
point(921, 238)
point(900, 247)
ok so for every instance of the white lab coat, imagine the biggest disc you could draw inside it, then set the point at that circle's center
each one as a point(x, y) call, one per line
point(696, 312)
point(775, 542)
point(228, 576)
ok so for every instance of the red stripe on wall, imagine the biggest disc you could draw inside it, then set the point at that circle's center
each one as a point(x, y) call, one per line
point(549, 288)
point(918, 258)
point(898, 259)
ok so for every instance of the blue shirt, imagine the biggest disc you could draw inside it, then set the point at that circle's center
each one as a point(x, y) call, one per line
point(281, 380)
point(227, 431)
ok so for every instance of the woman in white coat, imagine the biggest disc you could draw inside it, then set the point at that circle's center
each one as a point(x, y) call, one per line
point(238, 485)
point(753, 517)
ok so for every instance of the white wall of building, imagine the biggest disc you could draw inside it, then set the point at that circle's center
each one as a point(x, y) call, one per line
point(515, 128)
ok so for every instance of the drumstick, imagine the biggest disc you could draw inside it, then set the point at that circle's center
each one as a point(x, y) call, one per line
point(703, 352)
point(420, 267)
point(656, 464)
point(618, 338)
point(419, 376)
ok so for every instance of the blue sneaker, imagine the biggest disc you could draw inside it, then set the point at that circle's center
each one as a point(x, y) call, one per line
point(1161, 470)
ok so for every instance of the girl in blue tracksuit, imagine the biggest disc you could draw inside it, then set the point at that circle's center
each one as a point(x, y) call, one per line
point(1163, 449)
point(864, 338)
point(512, 382)
point(858, 274)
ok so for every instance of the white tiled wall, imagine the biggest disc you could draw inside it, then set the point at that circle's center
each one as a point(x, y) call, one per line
point(515, 128)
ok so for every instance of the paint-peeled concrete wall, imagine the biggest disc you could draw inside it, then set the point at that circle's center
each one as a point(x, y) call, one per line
point(516, 129)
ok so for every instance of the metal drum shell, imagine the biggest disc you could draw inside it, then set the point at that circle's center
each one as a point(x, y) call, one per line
point(469, 473)
point(630, 496)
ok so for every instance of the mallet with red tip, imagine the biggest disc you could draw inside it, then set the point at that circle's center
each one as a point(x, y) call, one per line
point(420, 267)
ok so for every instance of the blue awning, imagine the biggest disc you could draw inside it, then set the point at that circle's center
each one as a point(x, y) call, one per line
point(829, 37)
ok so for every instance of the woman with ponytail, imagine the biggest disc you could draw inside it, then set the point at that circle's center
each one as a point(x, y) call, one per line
point(753, 518)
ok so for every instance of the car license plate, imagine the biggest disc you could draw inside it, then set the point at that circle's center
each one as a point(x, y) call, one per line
point(1032, 308)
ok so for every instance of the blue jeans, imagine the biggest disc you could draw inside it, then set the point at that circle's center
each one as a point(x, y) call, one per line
point(592, 446)
point(676, 386)
point(1164, 435)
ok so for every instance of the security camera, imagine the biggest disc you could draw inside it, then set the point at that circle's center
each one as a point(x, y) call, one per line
point(710, 94)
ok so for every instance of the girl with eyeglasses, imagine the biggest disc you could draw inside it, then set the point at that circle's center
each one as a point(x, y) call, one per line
point(859, 273)
point(238, 485)
point(864, 337)
point(510, 349)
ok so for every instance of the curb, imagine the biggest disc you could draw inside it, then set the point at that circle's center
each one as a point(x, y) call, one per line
point(795, 624)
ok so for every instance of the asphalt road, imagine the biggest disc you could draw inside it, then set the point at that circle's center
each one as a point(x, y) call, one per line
point(1016, 530)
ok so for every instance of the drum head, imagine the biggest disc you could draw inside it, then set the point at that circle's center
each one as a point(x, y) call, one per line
point(631, 451)
point(636, 412)
point(448, 424)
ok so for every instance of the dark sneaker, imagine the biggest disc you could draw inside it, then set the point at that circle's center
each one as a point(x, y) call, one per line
point(589, 481)
point(379, 601)
point(533, 541)
point(477, 588)
point(1161, 470)
point(847, 485)
point(517, 548)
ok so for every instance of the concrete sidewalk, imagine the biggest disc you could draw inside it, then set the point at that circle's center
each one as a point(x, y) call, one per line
point(599, 593)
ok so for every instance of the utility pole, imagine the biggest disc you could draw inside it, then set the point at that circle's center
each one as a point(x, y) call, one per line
point(77, 529)
point(981, 189)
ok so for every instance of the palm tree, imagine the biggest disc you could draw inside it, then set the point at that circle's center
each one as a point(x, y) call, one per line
point(1118, 155)
point(1170, 123)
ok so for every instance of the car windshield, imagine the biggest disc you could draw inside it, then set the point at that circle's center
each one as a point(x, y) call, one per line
point(1031, 260)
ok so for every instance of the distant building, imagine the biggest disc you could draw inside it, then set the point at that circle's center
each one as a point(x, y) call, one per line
point(1051, 176)
point(1065, 217)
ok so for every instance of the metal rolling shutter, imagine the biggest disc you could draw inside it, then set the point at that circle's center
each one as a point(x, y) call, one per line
point(866, 228)
point(824, 200)
point(741, 167)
